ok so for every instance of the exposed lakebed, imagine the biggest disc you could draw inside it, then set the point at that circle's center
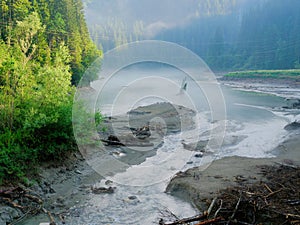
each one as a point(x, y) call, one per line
point(73, 196)
point(255, 126)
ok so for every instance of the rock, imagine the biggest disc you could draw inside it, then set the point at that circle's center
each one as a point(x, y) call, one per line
point(113, 140)
point(8, 214)
point(296, 105)
point(292, 126)
point(58, 205)
point(143, 132)
point(62, 170)
point(133, 197)
point(60, 199)
point(133, 200)
point(51, 190)
point(2, 222)
point(198, 147)
point(103, 190)
point(186, 146)
point(108, 182)
point(240, 178)
point(78, 172)
point(37, 190)
point(199, 155)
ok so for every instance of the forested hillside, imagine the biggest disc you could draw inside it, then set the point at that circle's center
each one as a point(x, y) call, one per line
point(115, 33)
point(256, 36)
point(44, 48)
point(61, 22)
point(227, 34)
point(119, 22)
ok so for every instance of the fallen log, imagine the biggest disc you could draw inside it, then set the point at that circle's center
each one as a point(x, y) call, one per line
point(188, 220)
point(52, 220)
point(211, 206)
point(113, 140)
point(34, 198)
point(13, 204)
point(108, 142)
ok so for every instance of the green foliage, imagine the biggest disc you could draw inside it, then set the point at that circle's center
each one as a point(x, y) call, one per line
point(51, 23)
point(85, 123)
point(98, 118)
point(68, 24)
point(275, 74)
point(25, 32)
point(36, 94)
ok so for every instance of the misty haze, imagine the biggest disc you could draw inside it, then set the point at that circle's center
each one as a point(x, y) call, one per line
point(149, 112)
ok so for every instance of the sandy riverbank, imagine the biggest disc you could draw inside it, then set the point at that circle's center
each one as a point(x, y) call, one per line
point(197, 186)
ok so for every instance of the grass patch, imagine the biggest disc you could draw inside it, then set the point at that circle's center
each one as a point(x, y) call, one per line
point(274, 74)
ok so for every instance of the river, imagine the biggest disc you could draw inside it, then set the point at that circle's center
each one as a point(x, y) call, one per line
point(254, 126)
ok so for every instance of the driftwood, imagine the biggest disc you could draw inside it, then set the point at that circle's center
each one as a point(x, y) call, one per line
point(268, 202)
point(197, 218)
point(113, 140)
point(186, 220)
point(116, 143)
point(34, 198)
point(52, 221)
point(235, 209)
point(13, 204)
point(220, 207)
point(27, 203)
point(211, 206)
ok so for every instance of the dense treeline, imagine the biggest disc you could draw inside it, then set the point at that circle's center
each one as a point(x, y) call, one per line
point(227, 34)
point(116, 22)
point(115, 33)
point(257, 36)
point(62, 21)
point(44, 48)
point(270, 36)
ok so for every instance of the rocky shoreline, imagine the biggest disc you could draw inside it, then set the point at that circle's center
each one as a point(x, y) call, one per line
point(63, 188)
point(60, 185)
point(286, 88)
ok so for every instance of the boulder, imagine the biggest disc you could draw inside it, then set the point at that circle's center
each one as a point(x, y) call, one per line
point(293, 126)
